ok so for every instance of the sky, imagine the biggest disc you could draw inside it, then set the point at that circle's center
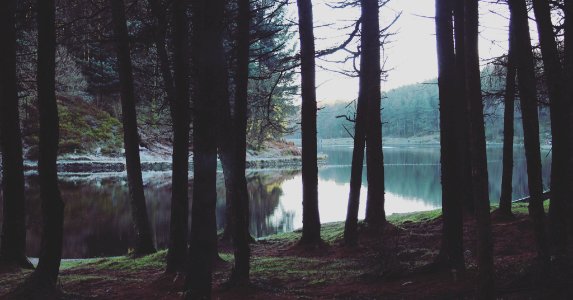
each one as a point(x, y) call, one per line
point(410, 57)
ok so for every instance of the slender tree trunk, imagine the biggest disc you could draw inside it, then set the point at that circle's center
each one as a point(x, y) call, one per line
point(176, 256)
point(210, 72)
point(144, 242)
point(462, 109)
point(485, 284)
point(13, 240)
point(241, 236)
point(160, 37)
point(451, 252)
point(530, 119)
point(52, 204)
point(508, 130)
point(371, 71)
point(568, 39)
point(561, 149)
point(351, 224)
point(310, 214)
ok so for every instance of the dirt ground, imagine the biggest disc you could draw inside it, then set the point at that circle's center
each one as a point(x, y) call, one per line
point(386, 264)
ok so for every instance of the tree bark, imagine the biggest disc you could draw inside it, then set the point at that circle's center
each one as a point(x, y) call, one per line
point(160, 37)
point(462, 110)
point(240, 206)
point(508, 130)
point(351, 224)
point(176, 255)
point(568, 40)
point(52, 204)
point(485, 284)
point(210, 72)
point(13, 239)
point(144, 242)
point(451, 251)
point(371, 71)
point(528, 99)
point(310, 214)
point(561, 149)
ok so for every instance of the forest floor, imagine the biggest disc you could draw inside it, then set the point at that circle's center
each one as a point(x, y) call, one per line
point(385, 265)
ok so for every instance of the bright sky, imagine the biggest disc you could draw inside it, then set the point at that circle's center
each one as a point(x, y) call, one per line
point(411, 56)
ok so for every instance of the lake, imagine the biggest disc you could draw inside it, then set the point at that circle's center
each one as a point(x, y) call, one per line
point(98, 221)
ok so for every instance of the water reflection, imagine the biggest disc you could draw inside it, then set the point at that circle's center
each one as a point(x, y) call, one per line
point(98, 221)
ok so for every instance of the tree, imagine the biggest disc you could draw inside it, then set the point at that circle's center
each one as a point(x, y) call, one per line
point(351, 224)
point(176, 256)
point(371, 71)
point(451, 251)
point(240, 205)
point(311, 217)
point(209, 73)
point(42, 284)
point(568, 40)
point(485, 284)
point(462, 108)
point(144, 242)
point(508, 130)
point(529, 110)
point(559, 108)
point(13, 239)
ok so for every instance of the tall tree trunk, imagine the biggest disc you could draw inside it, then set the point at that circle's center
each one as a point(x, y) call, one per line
point(568, 39)
point(42, 283)
point(13, 240)
point(210, 72)
point(462, 109)
point(351, 224)
point(176, 256)
point(160, 36)
point(561, 149)
point(451, 251)
point(310, 214)
point(530, 119)
point(485, 284)
point(371, 71)
point(144, 242)
point(508, 130)
point(240, 206)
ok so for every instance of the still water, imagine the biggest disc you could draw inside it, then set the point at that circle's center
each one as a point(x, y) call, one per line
point(98, 221)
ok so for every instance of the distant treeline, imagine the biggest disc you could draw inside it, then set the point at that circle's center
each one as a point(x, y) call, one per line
point(413, 111)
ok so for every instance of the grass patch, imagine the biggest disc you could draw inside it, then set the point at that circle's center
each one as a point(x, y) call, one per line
point(303, 270)
point(423, 216)
point(152, 261)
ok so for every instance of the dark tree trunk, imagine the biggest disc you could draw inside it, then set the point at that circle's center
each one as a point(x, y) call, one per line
point(160, 37)
point(144, 242)
point(240, 206)
point(451, 252)
point(52, 204)
point(310, 214)
point(508, 130)
point(13, 240)
point(462, 110)
point(568, 40)
point(371, 72)
point(559, 108)
point(351, 224)
point(176, 256)
point(210, 72)
point(485, 284)
point(530, 119)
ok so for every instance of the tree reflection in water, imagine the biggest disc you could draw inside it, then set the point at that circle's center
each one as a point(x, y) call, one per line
point(97, 214)
point(98, 221)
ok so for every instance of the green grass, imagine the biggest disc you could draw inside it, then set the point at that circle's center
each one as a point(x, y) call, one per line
point(424, 216)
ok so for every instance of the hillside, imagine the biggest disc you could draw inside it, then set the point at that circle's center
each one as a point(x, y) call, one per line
point(412, 112)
